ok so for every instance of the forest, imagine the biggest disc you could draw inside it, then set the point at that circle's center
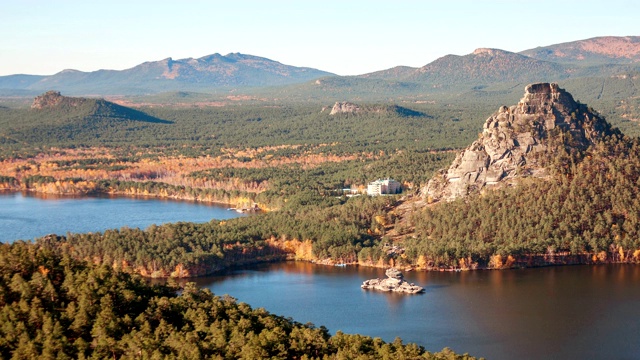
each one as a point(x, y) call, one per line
point(294, 162)
point(586, 213)
point(55, 307)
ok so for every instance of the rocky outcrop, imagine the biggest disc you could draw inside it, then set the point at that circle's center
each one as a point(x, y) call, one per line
point(394, 282)
point(345, 108)
point(53, 99)
point(516, 142)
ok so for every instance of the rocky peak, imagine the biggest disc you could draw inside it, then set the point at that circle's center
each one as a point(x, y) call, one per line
point(48, 99)
point(486, 51)
point(345, 108)
point(514, 140)
point(53, 99)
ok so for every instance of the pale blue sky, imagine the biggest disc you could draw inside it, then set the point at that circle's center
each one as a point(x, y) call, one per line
point(344, 37)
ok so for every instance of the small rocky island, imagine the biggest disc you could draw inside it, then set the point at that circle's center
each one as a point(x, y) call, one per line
point(394, 282)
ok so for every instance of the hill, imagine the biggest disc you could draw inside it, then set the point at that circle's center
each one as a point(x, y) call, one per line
point(58, 118)
point(206, 73)
point(547, 182)
point(480, 67)
point(594, 51)
point(72, 109)
point(341, 108)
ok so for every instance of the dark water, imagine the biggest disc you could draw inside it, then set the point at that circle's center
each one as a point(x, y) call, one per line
point(27, 216)
point(590, 312)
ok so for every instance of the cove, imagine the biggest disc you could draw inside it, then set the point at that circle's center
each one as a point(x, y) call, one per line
point(26, 216)
point(565, 312)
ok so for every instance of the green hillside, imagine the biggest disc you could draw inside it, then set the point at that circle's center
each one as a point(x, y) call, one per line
point(55, 120)
point(54, 307)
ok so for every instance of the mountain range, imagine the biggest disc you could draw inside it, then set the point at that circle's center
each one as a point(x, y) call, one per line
point(207, 73)
point(596, 57)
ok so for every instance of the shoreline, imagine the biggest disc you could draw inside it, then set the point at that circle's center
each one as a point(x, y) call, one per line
point(222, 270)
point(495, 262)
point(97, 193)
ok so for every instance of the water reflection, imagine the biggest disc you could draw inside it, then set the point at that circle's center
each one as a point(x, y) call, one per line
point(562, 312)
point(27, 216)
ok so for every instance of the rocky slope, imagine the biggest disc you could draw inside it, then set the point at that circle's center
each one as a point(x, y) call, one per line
point(345, 107)
point(598, 50)
point(53, 99)
point(518, 141)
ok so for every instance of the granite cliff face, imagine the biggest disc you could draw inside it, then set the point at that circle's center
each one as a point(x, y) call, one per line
point(345, 108)
point(516, 141)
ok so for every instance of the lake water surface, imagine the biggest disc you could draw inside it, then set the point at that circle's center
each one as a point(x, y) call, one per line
point(27, 216)
point(590, 312)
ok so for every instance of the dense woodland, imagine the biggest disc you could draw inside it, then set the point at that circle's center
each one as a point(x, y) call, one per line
point(200, 131)
point(587, 212)
point(309, 227)
point(55, 307)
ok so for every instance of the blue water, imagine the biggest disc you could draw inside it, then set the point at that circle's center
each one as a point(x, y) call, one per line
point(28, 216)
point(573, 312)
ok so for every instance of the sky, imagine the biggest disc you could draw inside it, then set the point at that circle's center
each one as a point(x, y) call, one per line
point(343, 37)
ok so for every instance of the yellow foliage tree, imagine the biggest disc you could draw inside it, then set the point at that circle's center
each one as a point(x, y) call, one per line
point(422, 262)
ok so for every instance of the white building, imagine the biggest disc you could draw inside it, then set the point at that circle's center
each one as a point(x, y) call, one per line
point(386, 186)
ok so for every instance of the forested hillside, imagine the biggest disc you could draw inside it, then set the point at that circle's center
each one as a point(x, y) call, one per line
point(303, 180)
point(588, 212)
point(52, 306)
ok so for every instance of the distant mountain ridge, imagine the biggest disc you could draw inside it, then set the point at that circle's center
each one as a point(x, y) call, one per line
point(210, 72)
point(482, 66)
point(594, 51)
point(601, 58)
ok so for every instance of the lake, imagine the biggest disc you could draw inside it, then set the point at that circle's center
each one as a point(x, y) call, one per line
point(27, 216)
point(589, 312)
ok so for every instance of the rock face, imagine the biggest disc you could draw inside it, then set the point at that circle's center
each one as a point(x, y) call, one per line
point(516, 141)
point(394, 282)
point(52, 99)
point(345, 108)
